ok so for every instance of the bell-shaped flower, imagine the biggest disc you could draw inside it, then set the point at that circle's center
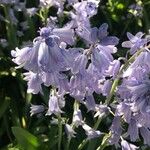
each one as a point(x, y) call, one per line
point(77, 118)
point(86, 8)
point(34, 82)
point(106, 87)
point(116, 130)
point(113, 68)
point(91, 133)
point(21, 55)
point(55, 104)
point(127, 146)
point(135, 43)
point(80, 63)
point(69, 131)
point(36, 109)
point(27, 57)
point(101, 110)
point(90, 102)
point(99, 60)
point(65, 34)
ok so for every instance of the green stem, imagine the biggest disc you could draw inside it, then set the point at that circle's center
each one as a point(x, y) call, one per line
point(68, 143)
point(59, 132)
point(84, 142)
point(76, 107)
point(11, 30)
point(114, 85)
point(97, 123)
point(44, 15)
point(101, 147)
point(104, 141)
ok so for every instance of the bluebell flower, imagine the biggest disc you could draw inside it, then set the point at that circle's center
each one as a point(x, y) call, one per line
point(57, 3)
point(57, 80)
point(80, 19)
point(55, 104)
point(127, 146)
point(133, 130)
point(34, 82)
point(44, 52)
point(90, 102)
point(70, 2)
point(133, 97)
point(69, 131)
point(123, 108)
point(27, 57)
point(31, 11)
point(3, 43)
point(141, 62)
point(90, 132)
point(80, 63)
point(106, 87)
point(86, 8)
point(36, 109)
point(101, 110)
point(24, 25)
point(113, 68)
point(80, 84)
point(100, 60)
point(101, 35)
point(77, 118)
point(116, 130)
point(135, 42)
point(65, 34)
point(20, 6)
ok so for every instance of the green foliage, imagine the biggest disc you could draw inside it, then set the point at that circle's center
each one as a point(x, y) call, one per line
point(26, 140)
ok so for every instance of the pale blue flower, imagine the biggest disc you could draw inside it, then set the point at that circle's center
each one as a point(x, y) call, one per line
point(69, 131)
point(55, 104)
point(36, 109)
point(127, 146)
point(34, 82)
point(90, 132)
point(135, 43)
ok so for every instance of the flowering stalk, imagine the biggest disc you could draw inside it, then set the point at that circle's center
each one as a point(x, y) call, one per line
point(68, 143)
point(115, 83)
point(76, 107)
point(108, 100)
point(59, 131)
point(44, 14)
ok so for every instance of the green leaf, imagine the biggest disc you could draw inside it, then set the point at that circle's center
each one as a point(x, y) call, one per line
point(4, 106)
point(25, 139)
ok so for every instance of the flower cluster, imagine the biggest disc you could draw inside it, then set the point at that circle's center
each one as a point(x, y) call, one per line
point(54, 60)
point(133, 93)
